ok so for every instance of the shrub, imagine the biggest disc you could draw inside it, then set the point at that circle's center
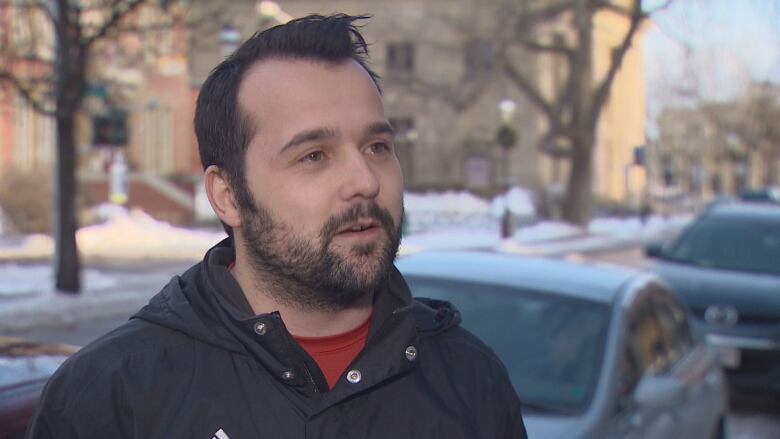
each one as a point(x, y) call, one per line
point(26, 201)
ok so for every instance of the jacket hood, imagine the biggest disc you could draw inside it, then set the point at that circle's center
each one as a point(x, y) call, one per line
point(178, 306)
point(435, 316)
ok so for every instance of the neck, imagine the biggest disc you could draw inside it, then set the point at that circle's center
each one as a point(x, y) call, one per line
point(300, 321)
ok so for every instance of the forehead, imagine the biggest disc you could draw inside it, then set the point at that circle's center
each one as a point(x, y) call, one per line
point(290, 95)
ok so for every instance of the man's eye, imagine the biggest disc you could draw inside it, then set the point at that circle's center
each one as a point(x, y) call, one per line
point(379, 148)
point(315, 156)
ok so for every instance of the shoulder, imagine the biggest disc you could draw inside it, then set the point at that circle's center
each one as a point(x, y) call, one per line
point(438, 324)
point(100, 367)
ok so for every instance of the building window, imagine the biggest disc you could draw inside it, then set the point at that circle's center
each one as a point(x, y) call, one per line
point(478, 172)
point(400, 58)
point(405, 138)
point(34, 137)
point(157, 141)
point(479, 58)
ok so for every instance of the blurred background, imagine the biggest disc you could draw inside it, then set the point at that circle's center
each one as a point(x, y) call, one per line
point(577, 129)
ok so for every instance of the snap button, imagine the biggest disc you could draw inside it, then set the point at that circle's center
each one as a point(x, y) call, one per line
point(260, 328)
point(411, 353)
point(354, 376)
point(287, 375)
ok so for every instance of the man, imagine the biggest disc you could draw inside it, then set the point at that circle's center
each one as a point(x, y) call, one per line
point(297, 325)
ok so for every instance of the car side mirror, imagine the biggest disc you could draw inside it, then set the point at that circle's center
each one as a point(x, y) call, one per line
point(658, 392)
point(654, 250)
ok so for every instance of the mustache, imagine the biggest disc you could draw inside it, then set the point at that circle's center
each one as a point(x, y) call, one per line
point(363, 210)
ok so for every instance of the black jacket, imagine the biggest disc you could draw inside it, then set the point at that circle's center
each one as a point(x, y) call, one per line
point(197, 363)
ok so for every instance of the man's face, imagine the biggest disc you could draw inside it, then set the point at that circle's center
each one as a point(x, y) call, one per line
point(323, 225)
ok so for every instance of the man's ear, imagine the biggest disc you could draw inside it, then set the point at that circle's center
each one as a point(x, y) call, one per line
point(221, 197)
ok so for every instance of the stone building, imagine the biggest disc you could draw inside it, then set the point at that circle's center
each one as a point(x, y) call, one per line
point(443, 88)
point(720, 148)
point(442, 85)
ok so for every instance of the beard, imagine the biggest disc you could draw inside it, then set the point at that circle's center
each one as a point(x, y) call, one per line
point(309, 274)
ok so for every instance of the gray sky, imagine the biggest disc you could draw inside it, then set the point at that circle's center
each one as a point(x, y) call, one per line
point(711, 48)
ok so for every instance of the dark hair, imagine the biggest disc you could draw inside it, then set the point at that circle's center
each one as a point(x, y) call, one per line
point(223, 129)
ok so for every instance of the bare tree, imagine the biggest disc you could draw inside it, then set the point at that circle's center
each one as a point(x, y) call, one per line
point(45, 56)
point(527, 31)
point(571, 111)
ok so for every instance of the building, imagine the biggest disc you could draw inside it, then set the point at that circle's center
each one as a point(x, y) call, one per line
point(717, 149)
point(443, 87)
point(444, 90)
point(138, 84)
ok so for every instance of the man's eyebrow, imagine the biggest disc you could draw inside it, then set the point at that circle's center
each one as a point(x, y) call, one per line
point(380, 128)
point(312, 135)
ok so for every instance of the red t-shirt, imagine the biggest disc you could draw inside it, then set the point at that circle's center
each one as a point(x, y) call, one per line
point(334, 353)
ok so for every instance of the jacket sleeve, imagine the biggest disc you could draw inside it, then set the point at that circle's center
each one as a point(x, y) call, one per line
point(80, 402)
point(512, 422)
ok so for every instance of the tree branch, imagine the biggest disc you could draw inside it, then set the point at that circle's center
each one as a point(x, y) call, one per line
point(447, 93)
point(533, 94)
point(28, 95)
point(117, 13)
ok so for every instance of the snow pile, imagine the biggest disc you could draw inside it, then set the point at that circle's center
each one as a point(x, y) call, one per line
point(448, 210)
point(450, 239)
point(435, 212)
point(135, 234)
point(462, 202)
point(519, 201)
point(129, 235)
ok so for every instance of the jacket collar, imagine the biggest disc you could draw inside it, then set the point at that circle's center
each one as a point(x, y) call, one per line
point(265, 337)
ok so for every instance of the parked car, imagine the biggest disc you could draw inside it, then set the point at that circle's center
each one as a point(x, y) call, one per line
point(762, 195)
point(592, 351)
point(25, 366)
point(726, 267)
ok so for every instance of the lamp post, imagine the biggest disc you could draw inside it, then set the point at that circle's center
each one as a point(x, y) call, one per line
point(272, 10)
point(229, 40)
point(506, 137)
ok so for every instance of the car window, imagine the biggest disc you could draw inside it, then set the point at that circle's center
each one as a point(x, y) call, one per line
point(551, 345)
point(731, 244)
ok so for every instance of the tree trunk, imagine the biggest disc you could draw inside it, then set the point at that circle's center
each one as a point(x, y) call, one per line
point(70, 70)
point(579, 191)
point(66, 257)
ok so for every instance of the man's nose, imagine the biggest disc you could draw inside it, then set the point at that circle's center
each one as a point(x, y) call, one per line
point(360, 178)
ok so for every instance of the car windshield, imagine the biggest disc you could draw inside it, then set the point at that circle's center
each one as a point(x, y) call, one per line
point(551, 345)
point(730, 244)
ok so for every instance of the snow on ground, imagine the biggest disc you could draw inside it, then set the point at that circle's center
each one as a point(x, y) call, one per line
point(632, 226)
point(517, 200)
point(21, 280)
point(435, 220)
point(125, 235)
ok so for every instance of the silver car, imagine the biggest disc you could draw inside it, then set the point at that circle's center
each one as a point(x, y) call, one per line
point(592, 351)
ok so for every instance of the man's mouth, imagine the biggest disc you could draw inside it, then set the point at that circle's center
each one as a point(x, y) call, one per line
point(359, 226)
